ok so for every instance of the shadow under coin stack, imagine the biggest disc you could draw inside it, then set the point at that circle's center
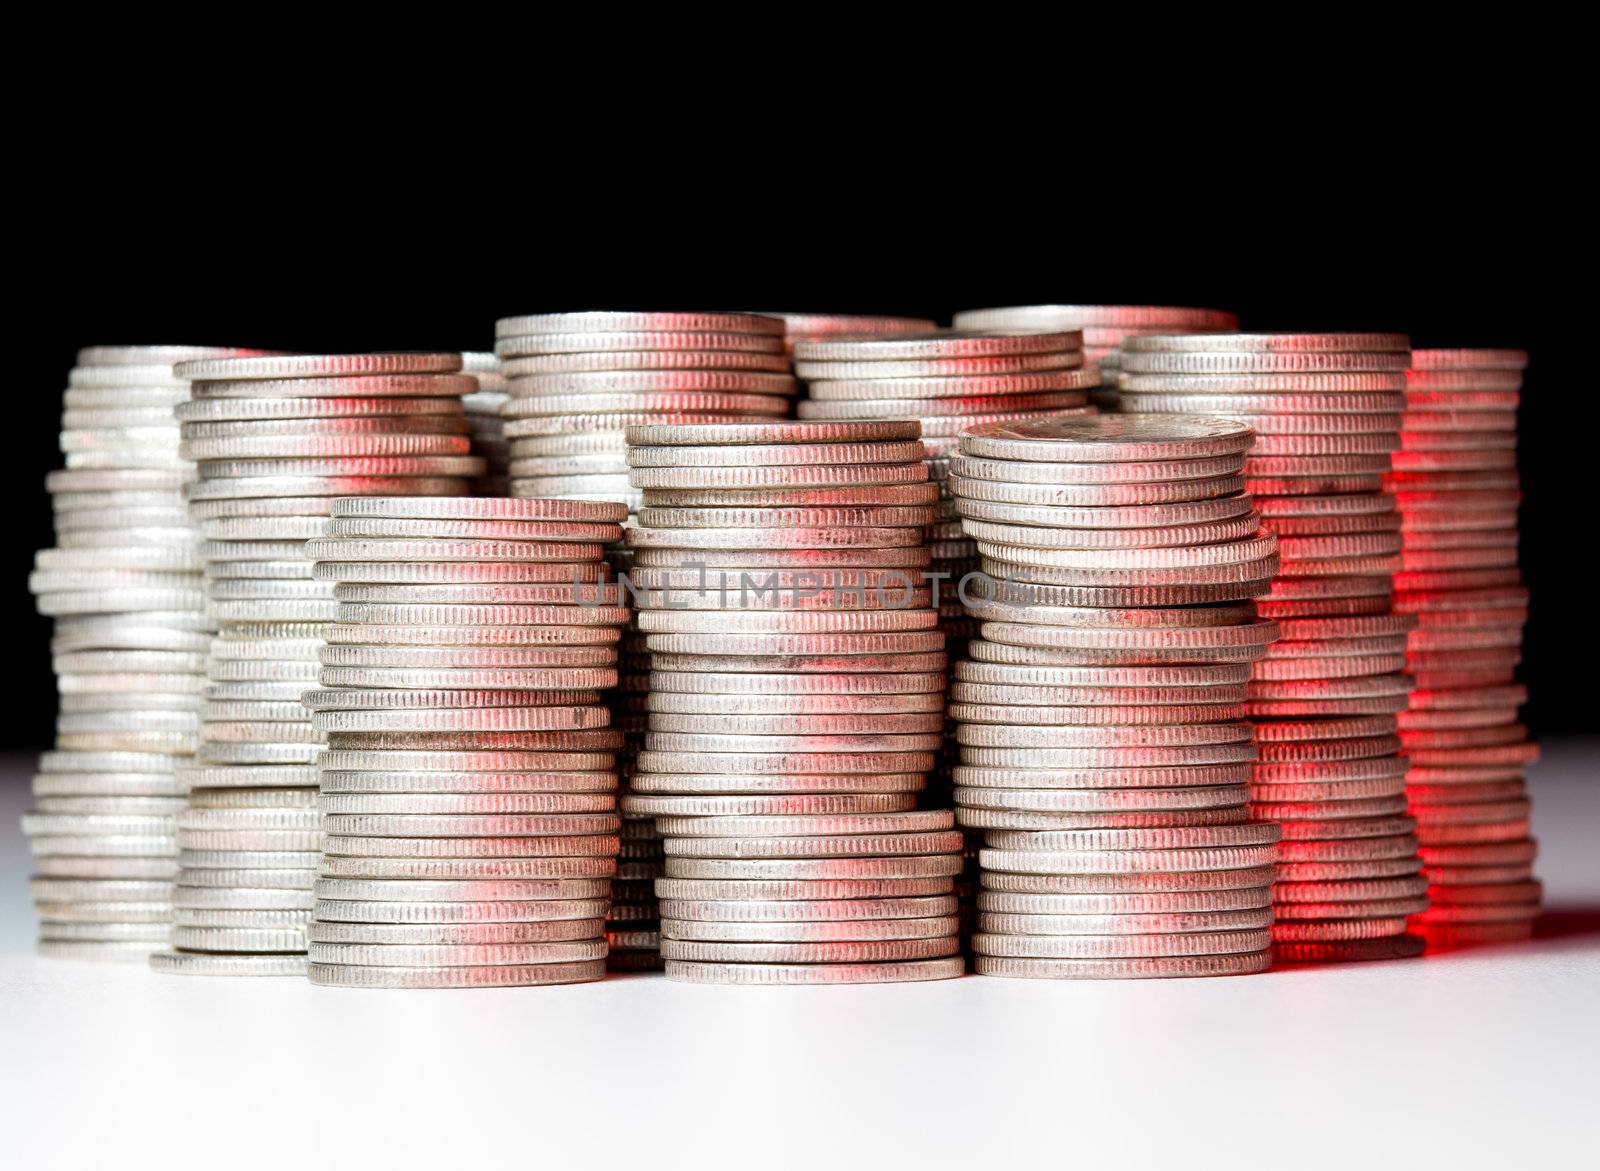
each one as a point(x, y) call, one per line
point(1455, 481)
point(276, 440)
point(1104, 752)
point(468, 792)
point(576, 382)
point(488, 425)
point(1104, 328)
point(1325, 407)
point(124, 587)
point(796, 697)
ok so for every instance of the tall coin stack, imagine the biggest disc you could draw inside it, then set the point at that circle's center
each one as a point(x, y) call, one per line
point(468, 792)
point(1104, 751)
point(1326, 410)
point(1455, 481)
point(947, 380)
point(796, 695)
point(485, 417)
point(276, 440)
point(1104, 329)
point(123, 585)
point(576, 382)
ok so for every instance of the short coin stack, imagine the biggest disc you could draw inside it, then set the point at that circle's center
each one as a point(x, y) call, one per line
point(1100, 716)
point(486, 419)
point(798, 327)
point(577, 380)
point(276, 440)
point(1455, 481)
point(123, 584)
point(796, 697)
point(468, 791)
point(1104, 328)
point(1326, 410)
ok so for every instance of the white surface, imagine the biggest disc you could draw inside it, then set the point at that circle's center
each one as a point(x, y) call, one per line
point(1476, 1059)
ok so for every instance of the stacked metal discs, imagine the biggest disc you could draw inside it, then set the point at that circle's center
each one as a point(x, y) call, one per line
point(1104, 328)
point(468, 792)
point(577, 380)
point(123, 584)
point(947, 381)
point(1455, 481)
point(488, 424)
point(276, 440)
point(819, 326)
point(796, 696)
point(1104, 752)
point(1326, 409)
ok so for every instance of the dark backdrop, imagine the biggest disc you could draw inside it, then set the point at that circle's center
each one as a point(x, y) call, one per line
point(346, 276)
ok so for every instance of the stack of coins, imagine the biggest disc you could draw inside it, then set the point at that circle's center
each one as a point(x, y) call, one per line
point(486, 419)
point(468, 792)
point(1104, 751)
point(1326, 409)
point(123, 584)
point(1455, 481)
point(820, 326)
point(576, 381)
point(276, 440)
point(796, 697)
point(1104, 329)
point(947, 381)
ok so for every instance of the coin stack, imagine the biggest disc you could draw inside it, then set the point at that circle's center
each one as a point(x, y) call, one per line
point(1104, 329)
point(123, 585)
point(820, 326)
point(1455, 481)
point(1104, 751)
point(276, 440)
point(1326, 409)
point(488, 424)
point(796, 694)
point(947, 380)
point(577, 380)
point(468, 792)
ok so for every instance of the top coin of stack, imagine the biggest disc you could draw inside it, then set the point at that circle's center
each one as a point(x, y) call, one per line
point(468, 792)
point(487, 421)
point(1104, 751)
point(123, 584)
point(818, 326)
point(577, 380)
point(276, 441)
point(1456, 485)
point(1104, 328)
point(1325, 407)
point(796, 698)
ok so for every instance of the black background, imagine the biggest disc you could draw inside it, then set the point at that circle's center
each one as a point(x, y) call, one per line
point(321, 267)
